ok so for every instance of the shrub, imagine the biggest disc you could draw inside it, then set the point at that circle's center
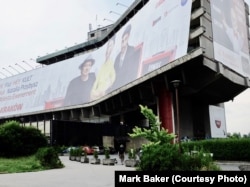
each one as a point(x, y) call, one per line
point(106, 152)
point(95, 154)
point(159, 157)
point(223, 148)
point(78, 151)
point(20, 141)
point(161, 154)
point(85, 153)
point(48, 158)
point(131, 154)
point(71, 152)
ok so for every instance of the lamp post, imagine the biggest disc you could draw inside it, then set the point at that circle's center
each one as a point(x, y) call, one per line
point(27, 64)
point(105, 19)
point(121, 5)
point(176, 84)
point(114, 13)
point(111, 21)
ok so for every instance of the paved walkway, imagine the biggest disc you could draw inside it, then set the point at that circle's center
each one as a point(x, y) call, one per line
point(233, 165)
point(76, 174)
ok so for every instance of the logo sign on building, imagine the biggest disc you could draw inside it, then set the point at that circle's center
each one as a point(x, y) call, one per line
point(217, 122)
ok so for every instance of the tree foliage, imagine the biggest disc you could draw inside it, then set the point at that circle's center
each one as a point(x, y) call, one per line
point(155, 134)
point(161, 153)
point(20, 141)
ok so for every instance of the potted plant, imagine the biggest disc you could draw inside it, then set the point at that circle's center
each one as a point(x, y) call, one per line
point(61, 150)
point(72, 154)
point(85, 158)
point(107, 160)
point(78, 154)
point(95, 159)
point(132, 161)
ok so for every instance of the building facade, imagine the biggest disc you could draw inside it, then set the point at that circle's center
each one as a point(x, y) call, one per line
point(183, 65)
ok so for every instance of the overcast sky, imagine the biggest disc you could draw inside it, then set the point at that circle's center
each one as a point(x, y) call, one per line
point(33, 28)
point(238, 111)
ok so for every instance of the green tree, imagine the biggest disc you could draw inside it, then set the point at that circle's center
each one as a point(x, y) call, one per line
point(155, 134)
point(20, 141)
point(161, 153)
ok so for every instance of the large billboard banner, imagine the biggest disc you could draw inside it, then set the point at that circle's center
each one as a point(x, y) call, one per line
point(154, 37)
point(230, 35)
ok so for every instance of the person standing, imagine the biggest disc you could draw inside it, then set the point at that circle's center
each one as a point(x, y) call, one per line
point(126, 62)
point(106, 75)
point(78, 90)
point(121, 153)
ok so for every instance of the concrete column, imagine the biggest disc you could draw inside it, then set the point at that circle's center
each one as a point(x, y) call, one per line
point(166, 109)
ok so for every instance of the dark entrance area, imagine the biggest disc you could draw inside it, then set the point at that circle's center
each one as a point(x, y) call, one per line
point(70, 133)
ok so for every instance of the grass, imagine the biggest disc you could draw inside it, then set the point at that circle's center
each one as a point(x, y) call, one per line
point(21, 164)
point(31, 164)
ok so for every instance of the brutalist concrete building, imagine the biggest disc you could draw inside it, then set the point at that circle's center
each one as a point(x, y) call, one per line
point(183, 59)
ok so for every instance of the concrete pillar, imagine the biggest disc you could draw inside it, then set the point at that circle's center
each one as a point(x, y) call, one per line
point(166, 109)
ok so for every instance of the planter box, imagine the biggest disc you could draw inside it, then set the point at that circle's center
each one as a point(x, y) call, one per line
point(108, 161)
point(84, 160)
point(95, 161)
point(131, 163)
point(78, 158)
point(73, 158)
